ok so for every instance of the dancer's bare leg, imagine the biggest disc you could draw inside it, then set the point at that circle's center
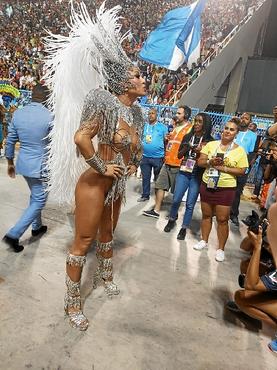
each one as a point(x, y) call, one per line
point(90, 196)
point(104, 251)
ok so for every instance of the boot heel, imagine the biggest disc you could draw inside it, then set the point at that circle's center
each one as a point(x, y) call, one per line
point(97, 279)
point(72, 299)
point(111, 289)
point(104, 271)
point(76, 318)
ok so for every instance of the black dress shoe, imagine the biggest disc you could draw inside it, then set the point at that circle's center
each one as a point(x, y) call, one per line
point(13, 243)
point(170, 225)
point(42, 230)
point(182, 234)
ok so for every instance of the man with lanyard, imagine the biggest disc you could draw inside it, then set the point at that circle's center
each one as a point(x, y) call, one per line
point(247, 139)
point(167, 176)
point(153, 151)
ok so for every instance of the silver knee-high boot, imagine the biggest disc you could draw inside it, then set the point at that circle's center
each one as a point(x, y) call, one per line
point(72, 299)
point(104, 271)
point(97, 276)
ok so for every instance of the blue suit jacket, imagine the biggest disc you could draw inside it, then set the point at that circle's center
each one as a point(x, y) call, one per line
point(30, 126)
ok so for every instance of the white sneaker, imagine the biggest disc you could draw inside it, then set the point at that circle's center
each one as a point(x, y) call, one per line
point(219, 256)
point(200, 245)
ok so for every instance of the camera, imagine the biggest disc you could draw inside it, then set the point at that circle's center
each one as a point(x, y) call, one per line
point(192, 153)
point(267, 145)
point(253, 222)
point(268, 160)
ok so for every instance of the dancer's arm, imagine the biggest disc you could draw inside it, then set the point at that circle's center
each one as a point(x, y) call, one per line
point(134, 162)
point(89, 127)
point(87, 131)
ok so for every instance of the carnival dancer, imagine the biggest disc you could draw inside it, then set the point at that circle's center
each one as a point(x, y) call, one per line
point(89, 57)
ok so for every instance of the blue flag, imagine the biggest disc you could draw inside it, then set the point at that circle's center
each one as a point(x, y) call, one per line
point(176, 39)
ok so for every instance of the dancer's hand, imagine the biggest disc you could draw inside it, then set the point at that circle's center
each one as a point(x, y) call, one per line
point(131, 169)
point(114, 170)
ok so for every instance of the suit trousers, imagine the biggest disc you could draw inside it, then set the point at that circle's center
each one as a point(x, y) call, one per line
point(32, 214)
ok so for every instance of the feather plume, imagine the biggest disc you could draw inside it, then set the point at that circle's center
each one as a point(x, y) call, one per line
point(74, 66)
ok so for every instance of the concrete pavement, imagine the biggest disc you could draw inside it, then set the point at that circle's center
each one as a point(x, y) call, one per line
point(169, 316)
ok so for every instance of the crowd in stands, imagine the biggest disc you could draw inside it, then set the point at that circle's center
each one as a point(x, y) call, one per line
point(23, 25)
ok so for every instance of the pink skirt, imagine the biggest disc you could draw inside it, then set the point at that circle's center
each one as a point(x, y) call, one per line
point(220, 196)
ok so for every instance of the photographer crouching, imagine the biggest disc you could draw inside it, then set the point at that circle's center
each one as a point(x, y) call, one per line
point(258, 299)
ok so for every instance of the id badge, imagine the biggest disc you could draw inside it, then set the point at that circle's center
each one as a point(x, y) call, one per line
point(213, 172)
point(169, 146)
point(148, 138)
point(212, 182)
point(188, 165)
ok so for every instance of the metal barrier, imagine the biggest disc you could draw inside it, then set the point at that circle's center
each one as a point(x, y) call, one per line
point(165, 114)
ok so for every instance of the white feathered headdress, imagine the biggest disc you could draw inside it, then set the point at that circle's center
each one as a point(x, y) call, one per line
point(86, 59)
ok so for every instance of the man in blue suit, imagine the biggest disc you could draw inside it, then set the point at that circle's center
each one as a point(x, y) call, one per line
point(30, 127)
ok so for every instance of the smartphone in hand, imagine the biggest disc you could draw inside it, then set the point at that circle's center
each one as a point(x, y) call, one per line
point(220, 155)
point(219, 159)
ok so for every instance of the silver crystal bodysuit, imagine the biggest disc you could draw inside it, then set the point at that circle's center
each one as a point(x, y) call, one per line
point(119, 132)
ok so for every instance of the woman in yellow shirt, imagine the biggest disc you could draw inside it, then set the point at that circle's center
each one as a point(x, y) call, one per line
point(224, 161)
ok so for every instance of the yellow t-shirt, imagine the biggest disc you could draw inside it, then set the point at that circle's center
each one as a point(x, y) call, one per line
point(235, 158)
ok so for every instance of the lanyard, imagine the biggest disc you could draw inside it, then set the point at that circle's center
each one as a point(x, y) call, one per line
point(230, 147)
point(148, 129)
point(213, 174)
point(192, 140)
